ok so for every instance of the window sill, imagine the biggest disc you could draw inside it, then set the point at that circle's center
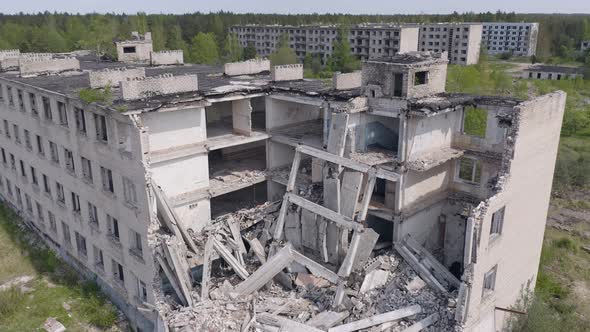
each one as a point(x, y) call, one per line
point(110, 194)
point(71, 172)
point(94, 228)
point(114, 241)
point(88, 181)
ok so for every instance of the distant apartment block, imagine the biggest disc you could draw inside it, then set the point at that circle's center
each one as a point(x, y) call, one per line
point(462, 41)
point(520, 39)
point(368, 41)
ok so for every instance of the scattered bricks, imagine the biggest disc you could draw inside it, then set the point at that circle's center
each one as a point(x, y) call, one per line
point(113, 77)
point(35, 65)
point(248, 67)
point(173, 57)
point(347, 81)
point(161, 85)
point(291, 72)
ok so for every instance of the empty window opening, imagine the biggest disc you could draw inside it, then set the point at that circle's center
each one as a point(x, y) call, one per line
point(398, 82)
point(420, 78)
point(497, 223)
point(382, 227)
point(219, 119)
point(469, 170)
point(489, 281)
point(248, 197)
point(129, 49)
point(258, 113)
point(475, 121)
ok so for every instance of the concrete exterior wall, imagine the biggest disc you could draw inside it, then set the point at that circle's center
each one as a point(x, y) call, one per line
point(126, 165)
point(173, 57)
point(545, 75)
point(113, 77)
point(13, 53)
point(248, 67)
point(431, 134)
point(280, 113)
point(35, 65)
point(142, 54)
point(286, 72)
point(347, 81)
point(525, 196)
point(160, 85)
point(408, 40)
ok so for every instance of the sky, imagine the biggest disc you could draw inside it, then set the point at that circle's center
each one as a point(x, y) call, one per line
point(296, 6)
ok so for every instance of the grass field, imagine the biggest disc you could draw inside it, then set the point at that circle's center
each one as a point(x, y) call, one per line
point(54, 289)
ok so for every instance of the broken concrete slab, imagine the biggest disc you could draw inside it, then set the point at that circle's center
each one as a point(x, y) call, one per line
point(415, 284)
point(378, 319)
point(374, 279)
point(327, 319)
point(421, 325)
point(284, 324)
point(310, 281)
point(230, 259)
point(53, 325)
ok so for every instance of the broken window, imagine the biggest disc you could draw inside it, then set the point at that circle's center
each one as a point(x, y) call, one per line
point(86, 169)
point(6, 129)
point(69, 160)
point(66, 234)
point(118, 274)
point(113, 228)
point(92, 215)
point(53, 152)
point(129, 191)
point(420, 78)
point(75, 203)
point(475, 121)
point(136, 246)
point(107, 180)
point(497, 223)
point(33, 102)
point(16, 133)
point(80, 120)
point(63, 114)
point(28, 140)
point(129, 49)
point(98, 258)
point(101, 128)
point(52, 223)
point(489, 281)
point(141, 290)
point(61, 196)
point(47, 109)
point(81, 245)
point(469, 170)
point(40, 149)
point(34, 176)
point(46, 186)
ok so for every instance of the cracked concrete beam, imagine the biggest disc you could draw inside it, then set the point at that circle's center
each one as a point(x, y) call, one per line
point(266, 272)
point(315, 268)
point(422, 271)
point(206, 269)
point(339, 219)
point(438, 269)
point(284, 324)
point(230, 259)
point(172, 279)
point(378, 319)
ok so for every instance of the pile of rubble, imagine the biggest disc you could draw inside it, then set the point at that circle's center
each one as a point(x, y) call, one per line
point(250, 283)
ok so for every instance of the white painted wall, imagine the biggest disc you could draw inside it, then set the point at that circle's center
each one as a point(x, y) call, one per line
point(177, 128)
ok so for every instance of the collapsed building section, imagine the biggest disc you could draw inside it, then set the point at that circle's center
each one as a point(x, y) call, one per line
point(264, 201)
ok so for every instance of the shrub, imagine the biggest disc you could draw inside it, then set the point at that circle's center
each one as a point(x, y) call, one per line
point(98, 312)
point(90, 96)
point(10, 301)
point(566, 243)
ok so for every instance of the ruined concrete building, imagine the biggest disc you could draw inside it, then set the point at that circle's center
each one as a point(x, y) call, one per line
point(263, 201)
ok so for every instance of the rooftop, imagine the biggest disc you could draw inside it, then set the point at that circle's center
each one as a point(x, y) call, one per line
point(411, 58)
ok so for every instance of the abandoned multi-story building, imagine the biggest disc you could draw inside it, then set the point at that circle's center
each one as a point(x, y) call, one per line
point(462, 41)
point(367, 41)
point(518, 39)
point(167, 190)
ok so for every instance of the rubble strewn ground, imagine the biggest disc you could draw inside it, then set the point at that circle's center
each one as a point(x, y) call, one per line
point(385, 283)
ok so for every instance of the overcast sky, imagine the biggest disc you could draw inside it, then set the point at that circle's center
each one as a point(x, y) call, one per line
point(297, 6)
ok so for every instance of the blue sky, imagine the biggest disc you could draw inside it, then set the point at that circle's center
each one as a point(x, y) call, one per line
point(297, 6)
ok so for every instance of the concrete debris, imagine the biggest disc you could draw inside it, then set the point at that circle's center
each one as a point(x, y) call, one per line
point(327, 319)
point(53, 325)
point(308, 280)
point(415, 284)
point(374, 279)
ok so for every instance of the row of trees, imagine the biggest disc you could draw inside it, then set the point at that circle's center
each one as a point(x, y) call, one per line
point(560, 34)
